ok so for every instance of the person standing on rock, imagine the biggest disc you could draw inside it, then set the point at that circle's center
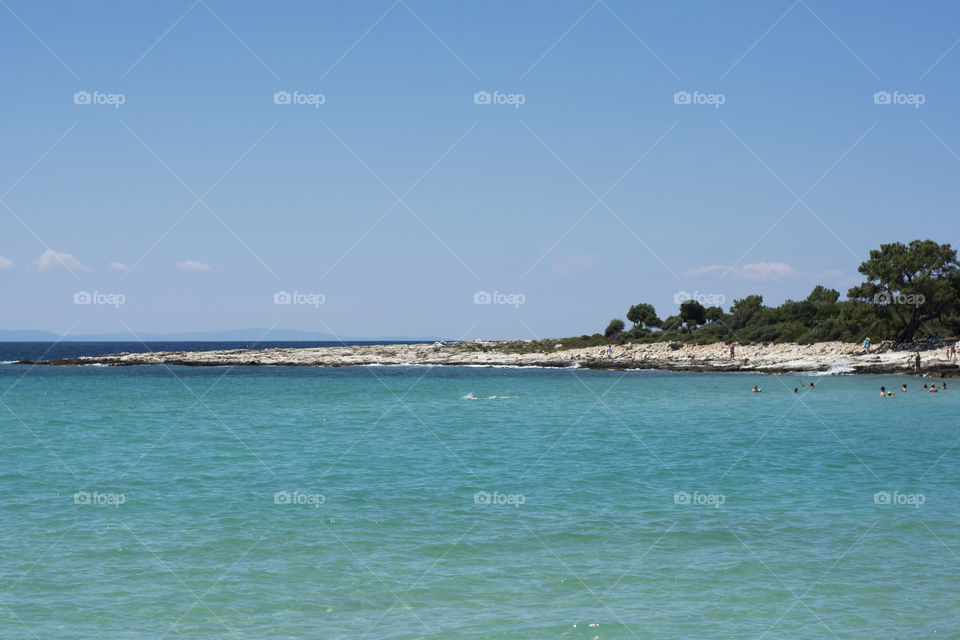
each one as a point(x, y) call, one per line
point(916, 363)
point(732, 350)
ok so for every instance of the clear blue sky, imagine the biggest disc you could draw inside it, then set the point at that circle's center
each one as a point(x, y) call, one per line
point(786, 184)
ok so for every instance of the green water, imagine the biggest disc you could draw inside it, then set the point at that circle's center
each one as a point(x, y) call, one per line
point(343, 503)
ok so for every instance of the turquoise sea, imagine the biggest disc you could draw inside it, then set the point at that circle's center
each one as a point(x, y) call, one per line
point(413, 502)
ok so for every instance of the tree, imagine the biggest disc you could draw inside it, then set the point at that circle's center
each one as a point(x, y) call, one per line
point(672, 323)
point(643, 314)
point(743, 310)
point(713, 314)
point(616, 326)
point(822, 295)
point(913, 283)
point(692, 313)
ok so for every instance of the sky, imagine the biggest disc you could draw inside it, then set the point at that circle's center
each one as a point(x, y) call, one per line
point(460, 169)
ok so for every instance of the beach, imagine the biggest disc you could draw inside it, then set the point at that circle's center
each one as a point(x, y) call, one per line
point(824, 357)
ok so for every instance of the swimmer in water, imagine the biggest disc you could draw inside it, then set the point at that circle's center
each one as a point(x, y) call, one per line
point(933, 389)
point(903, 389)
point(883, 392)
point(756, 389)
point(811, 385)
point(795, 390)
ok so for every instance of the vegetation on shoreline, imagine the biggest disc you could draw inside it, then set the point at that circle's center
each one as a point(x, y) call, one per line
point(910, 292)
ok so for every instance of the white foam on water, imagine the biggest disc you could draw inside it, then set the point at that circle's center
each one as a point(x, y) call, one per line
point(500, 366)
point(835, 369)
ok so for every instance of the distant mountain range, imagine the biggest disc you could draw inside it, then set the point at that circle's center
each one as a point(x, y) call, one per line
point(236, 335)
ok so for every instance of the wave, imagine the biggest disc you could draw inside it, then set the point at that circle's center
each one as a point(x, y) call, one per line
point(835, 369)
point(502, 366)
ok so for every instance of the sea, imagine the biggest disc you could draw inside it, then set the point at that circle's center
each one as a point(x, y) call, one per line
point(398, 502)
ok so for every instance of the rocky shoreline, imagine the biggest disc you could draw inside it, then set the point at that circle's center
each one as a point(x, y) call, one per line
point(824, 357)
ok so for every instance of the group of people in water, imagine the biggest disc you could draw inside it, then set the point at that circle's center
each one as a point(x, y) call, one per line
point(757, 389)
point(929, 388)
point(932, 388)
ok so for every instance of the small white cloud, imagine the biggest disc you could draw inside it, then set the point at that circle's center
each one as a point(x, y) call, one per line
point(118, 266)
point(5, 263)
point(767, 271)
point(193, 265)
point(51, 259)
point(756, 272)
point(706, 271)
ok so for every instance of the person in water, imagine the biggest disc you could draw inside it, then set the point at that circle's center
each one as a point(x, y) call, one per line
point(944, 386)
point(903, 389)
point(933, 389)
point(811, 385)
point(756, 389)
point(795, 390)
